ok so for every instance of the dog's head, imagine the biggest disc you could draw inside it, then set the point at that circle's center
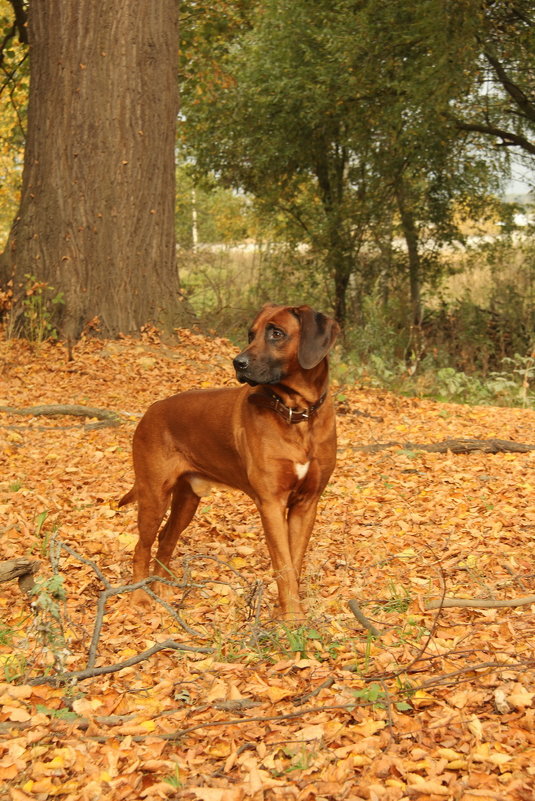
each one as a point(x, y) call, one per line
point(284, 340)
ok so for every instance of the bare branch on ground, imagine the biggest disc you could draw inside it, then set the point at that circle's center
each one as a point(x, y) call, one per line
point(362, 619)
point(478, 603)
point(463, 445)
point(106, 416)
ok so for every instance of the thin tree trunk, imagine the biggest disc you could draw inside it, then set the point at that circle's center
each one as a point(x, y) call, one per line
point(96, 219)
point(339, 252)
point(410, 233)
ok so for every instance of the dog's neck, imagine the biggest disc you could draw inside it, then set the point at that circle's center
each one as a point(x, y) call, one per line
point(304, 388)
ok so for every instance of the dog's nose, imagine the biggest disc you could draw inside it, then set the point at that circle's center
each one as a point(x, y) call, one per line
point(241, 362)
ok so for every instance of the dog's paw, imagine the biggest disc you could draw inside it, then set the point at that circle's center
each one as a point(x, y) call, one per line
point(141, 599)
point(294, 615)
point(164, 591)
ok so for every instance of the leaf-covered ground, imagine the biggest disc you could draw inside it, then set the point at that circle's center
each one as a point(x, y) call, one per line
point(440, 706)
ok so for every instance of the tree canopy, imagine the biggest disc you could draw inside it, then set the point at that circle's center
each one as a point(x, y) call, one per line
point(339, 115)
point(354, 127)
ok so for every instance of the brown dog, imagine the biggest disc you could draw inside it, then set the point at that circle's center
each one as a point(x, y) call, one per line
point(274, 439)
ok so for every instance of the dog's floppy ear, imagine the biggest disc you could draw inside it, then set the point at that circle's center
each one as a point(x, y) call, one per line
point(318, 335)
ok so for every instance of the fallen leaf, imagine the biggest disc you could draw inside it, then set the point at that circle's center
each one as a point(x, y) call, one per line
point(519, 697)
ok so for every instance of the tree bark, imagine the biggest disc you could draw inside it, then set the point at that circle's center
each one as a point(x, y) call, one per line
point(96, 218)
point(410, 233)
point(329, 172)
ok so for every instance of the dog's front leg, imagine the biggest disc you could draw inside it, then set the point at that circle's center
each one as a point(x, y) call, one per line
point(301, 517)
point(273, 515)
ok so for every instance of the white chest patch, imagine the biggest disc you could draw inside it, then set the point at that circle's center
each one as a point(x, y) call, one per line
point(301, 469)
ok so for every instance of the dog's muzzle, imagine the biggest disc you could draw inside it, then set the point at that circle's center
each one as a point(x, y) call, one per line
point(250, 372)
point(241, 364)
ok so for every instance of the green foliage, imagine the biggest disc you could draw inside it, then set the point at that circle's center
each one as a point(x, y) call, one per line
point(466, 352)
point(517, 378)
point(399, 601)
point(300, 759)
point(511, 387)
point(43, 535)
point(14, 83)
point(335, 117)
point(378, 697)
point(47, 605)
point(6, 635)
point(270, 643)
point(500, 59)
point(13, 666)
point(298, 639)
point(210, 212)
point(174, 779)
point(43, 626)
point(58, 714)
point(40, 304)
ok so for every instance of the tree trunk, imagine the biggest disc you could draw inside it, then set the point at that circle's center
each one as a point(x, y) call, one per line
point(96, 218)
point(330, 174)
point(342, 274)
point(410, 234)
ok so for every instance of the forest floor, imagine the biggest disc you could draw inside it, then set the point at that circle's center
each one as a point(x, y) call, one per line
point(440, 705)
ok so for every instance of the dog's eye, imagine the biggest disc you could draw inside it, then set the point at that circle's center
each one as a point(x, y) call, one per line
point(250, 337)
point(276, 333)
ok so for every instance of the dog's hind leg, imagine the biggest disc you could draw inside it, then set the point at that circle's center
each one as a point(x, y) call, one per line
point(183, 507)
point(152, 505)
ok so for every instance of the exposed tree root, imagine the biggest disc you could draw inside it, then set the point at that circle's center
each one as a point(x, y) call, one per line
point(107, 417)
point(21, 569)
point(478, 603)
point(463, 445)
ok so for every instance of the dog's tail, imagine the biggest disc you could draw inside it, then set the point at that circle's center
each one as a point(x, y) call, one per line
point(129, 497)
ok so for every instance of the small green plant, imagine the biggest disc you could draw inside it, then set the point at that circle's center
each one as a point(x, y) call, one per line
point(517, 378)
point(49, 595)
point(399, 600)
point(58, 714)
point(301, 759)
point(406, 690)
point(6, 634)
point(226, 650)
point(368, 650)
point(269, 643)
point(13, 666)
point(375, 695)
point(411, 631)
point(40, 305)
point(329, 650)
point(297, 639)
point(174, 779)
point(43, 535)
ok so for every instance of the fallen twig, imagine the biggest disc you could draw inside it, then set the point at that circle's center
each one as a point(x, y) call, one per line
point(20, 568)
point(77, 722)
point(478, 603)
point(109, 591)
point(362, 619)
point(302, 699)
point(446, 678)
point(421, 651)
point(89, 673)
point(388, 710)
point(463, 445)
point(176, 735)
point(107, 417)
